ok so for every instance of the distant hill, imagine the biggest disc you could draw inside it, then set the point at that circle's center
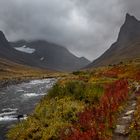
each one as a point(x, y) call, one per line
point(40, 54)
point(126, 47)
point(10, 70)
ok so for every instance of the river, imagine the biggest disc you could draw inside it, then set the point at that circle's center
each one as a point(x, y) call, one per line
point(20, 99)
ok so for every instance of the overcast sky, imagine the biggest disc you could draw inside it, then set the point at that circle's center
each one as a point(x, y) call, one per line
point(85, 27)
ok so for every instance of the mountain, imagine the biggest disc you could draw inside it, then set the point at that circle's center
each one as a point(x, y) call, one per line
point(50, 55)
point(126, 47)
point(9, 53)
point(41, 54)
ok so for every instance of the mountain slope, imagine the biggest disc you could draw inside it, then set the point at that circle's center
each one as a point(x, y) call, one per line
point(40, 54)
point(127, 45)
point(10, 70)
point(7, 52)
point(50, 55)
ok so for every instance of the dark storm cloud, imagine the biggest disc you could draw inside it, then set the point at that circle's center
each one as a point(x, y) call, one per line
point(86, 27)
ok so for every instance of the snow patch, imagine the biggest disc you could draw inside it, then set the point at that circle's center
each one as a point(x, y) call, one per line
point(42, 58)
point(25, 49)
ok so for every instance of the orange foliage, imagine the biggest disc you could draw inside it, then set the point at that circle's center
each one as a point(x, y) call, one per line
point(113, 72)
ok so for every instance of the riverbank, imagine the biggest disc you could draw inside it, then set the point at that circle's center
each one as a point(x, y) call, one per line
point(71, 109)
point(18, 80)
point(12, 73)
point(20, 100)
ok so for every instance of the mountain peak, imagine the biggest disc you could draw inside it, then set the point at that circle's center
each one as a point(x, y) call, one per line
point(3, 40)
point(130, 18)
point(84, 60)
point(128, 15)
point(1, 34)
point(130, 30)
point(127, 45)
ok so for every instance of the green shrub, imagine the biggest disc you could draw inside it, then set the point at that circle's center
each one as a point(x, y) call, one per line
point(93, 92)
point(78, 90)
point(57, 110)
point(47, 120)
point(79, 72)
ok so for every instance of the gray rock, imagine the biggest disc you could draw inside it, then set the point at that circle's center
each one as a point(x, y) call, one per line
point(129, 112)
point(120, 129)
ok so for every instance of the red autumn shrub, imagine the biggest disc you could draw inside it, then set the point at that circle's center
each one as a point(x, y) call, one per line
point(113, 72)
point(94, 123)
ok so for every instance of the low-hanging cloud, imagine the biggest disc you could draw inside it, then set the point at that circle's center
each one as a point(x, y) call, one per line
point(85, 27)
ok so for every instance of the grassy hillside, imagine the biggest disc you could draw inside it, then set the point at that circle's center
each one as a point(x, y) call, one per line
point(10, 71)
point(115, 54)
point(83, 106)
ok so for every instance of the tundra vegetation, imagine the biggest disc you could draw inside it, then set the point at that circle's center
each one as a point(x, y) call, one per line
point(83, 106)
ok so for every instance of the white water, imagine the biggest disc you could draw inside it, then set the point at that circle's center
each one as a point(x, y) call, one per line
point(21, 99)
point(9, 109)
point(28, 95)
point(8, 118)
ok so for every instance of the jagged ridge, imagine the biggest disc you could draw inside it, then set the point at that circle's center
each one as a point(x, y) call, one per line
point(127, 45)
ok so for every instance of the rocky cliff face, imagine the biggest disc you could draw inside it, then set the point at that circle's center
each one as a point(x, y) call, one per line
point(3, 41)
point(130, 31)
